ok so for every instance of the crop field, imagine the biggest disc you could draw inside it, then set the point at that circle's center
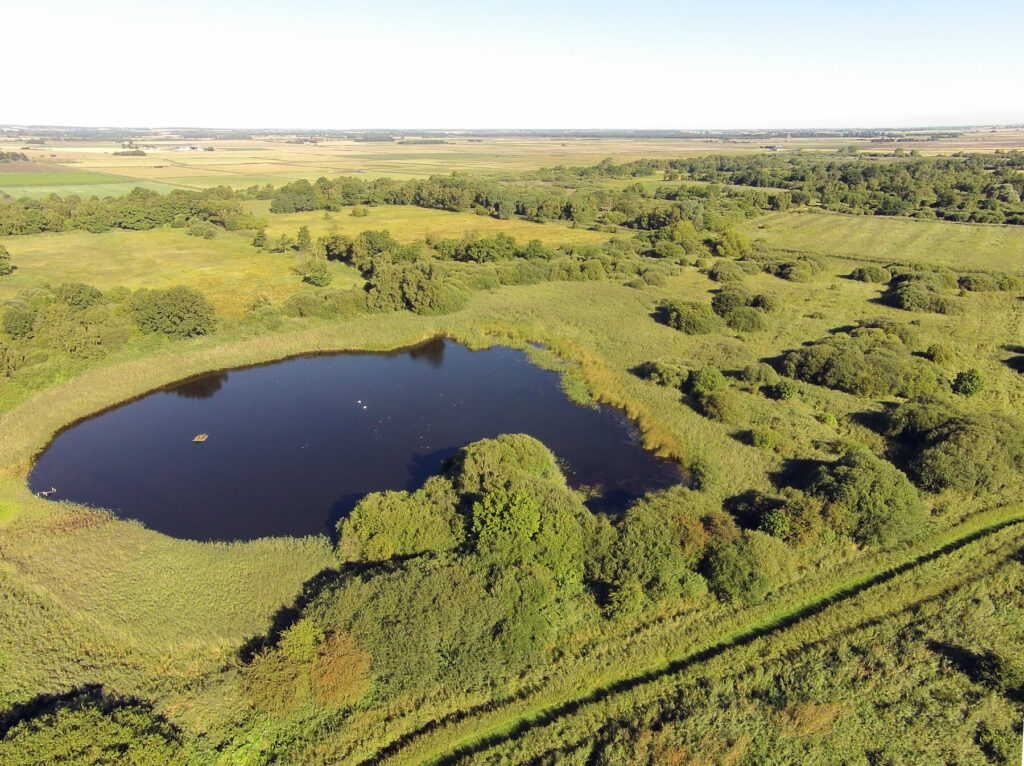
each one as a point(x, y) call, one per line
point(272, 160)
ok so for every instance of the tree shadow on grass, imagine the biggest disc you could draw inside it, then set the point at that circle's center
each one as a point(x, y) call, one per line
point(322, 581)
point(89, 695)
point(986, 668)
point(796, 473)
point(874, 420)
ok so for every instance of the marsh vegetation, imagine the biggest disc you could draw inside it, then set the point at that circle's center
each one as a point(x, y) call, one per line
point(827, 343)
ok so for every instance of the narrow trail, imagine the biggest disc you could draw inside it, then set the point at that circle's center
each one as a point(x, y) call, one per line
point(543, 713)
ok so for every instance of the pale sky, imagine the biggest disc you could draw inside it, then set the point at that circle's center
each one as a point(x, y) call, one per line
point(528, 64)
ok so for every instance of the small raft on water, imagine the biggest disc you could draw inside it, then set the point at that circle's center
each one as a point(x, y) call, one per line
point(201, 438)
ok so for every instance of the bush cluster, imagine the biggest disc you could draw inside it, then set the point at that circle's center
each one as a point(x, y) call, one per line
point(923, 291)
point(971, 453)
point(868, 361)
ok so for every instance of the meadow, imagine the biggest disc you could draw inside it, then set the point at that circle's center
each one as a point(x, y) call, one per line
point(408, 224)
point(880, 239)
point(79, 603)
point(224, 268)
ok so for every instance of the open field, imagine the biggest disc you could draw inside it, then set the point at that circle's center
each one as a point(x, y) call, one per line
point(227, 268)
point(407, 223)
point(883, 239)
point(271, 160)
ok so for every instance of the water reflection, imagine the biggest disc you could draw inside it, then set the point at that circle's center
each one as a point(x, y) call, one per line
point(293, 445)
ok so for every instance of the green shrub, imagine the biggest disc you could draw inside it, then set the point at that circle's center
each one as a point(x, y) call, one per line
point(783, 390)
point(979, 283)
point(314, 271)
point(667, 249)
point(18, 320)
point(199, 228)
point(765, 439)
point(422, 288)
point(345, 304)
point(795, 271)
point(690, 317)
point(180, 311)
point(729, 299)
point(11, 359)
point(730, 244)
point(78, 296)
point(503, 522)
point(973, 454)
point(5, 262)
point(668, 371)
point(388, 524)
point(705, 380)
point(759, 374)
point(746, 319)
point(725, 406)
point(922, 291)
point(871, 273)
point(748, 569)
point(1001, 673)
point(511, 462)
point(767, 302)
point(658, 542)
point(969, 382)
point(866, 362)
point(87, 727)
point(890, 327)
point(869, 498)
point(726, 271)
point(940, 354)
point(60, 328)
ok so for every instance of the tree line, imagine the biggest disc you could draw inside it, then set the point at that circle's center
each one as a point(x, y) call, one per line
point(139, 210)
point(981, 188)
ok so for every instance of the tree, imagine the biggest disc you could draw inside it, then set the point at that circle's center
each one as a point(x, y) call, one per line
point(78, 296)
point(388, 524)
point(749, 568)
point(5, 262)
point(303, 240)
point(88, 727)
point(260, 240)
point(180, 311)
point(870, 498)
point(503, 522)
point(18, 320)
point(314, 271)
point(691, 317)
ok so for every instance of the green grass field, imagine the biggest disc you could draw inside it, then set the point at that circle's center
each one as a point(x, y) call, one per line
point(109, 187)
point(408, 223)
point(227, 268)
point(959, 246)
point(70, 178)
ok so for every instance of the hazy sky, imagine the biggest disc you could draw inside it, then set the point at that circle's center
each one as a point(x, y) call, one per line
point(526, 64)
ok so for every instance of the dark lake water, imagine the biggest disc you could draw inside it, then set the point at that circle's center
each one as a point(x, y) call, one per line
point(293, 445)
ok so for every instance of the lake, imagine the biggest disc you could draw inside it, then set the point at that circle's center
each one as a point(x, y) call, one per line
point(293, 445)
